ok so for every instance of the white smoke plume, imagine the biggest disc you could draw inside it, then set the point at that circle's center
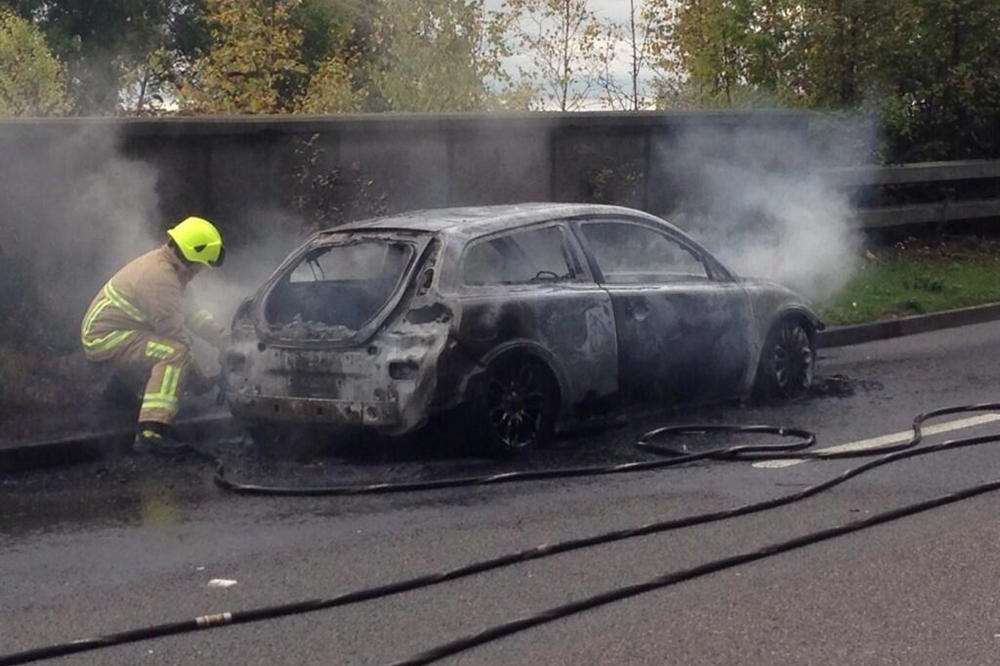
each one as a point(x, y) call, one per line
point(768, 206)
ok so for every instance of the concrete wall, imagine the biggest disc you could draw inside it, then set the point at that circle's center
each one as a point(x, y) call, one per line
point(78, 197)
point(227, 166)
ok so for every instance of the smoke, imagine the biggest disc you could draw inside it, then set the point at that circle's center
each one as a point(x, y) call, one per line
point(273, 234)
point(76, 208)
point(767, 204)
point(72, 209)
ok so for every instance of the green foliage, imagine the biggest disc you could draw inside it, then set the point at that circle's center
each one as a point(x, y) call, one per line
point(325, 26)
point(253, 63)
point(108, 47)
point(435, 56)
point(332, 90)
point(913, 279)
point(931, 67)
point(945, 95)
point(31, 78)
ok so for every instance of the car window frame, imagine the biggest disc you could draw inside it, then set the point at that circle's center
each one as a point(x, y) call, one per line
point(324, 248)
point(418, 242)
point(714, 273)
point(572, 252)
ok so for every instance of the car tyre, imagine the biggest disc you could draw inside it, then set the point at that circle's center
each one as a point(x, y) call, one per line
point(516, 405)
point(787, 361)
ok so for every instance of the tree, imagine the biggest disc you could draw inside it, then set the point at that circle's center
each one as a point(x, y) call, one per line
point(119, 54)
point(560, 37)
point(435, 55)
point(631, 41)
point(32, 80)
point(930, 67)
point(253, 64)
point(332, 90)
point(943, 98)
point(722, 52)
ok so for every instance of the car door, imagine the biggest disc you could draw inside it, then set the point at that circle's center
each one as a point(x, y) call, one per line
point(684, 331)
point(532, 288)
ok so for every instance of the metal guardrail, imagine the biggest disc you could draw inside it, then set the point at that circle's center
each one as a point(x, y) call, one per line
point(927, 173)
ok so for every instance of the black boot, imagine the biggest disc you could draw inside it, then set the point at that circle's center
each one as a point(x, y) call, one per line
point(160, 440)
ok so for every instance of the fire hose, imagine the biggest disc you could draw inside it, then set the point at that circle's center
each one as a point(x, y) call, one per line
point(673, 455)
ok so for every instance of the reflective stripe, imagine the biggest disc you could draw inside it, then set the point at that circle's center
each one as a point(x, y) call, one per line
point(91, 315)
point(169, 411)
point(122, 304)
point(170, 378)
point(170, 407)
point(168, 387)
point(109, 341)
point(159, 350)
point(167, 397)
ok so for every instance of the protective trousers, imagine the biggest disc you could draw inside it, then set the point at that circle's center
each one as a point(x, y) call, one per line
point(157, 367)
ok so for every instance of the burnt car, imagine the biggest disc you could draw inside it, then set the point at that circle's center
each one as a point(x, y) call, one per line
point(530, 318)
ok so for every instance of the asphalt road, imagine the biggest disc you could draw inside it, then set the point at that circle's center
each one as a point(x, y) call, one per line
point(104, 547)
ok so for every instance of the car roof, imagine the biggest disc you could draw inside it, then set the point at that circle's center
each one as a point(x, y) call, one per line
point(474, 221)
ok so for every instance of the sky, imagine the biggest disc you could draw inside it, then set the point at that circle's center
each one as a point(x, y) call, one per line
point(606, 10)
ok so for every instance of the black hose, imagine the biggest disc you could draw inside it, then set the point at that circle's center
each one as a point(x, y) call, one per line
point(507, 628)
point(674, 458)
point(756, 452)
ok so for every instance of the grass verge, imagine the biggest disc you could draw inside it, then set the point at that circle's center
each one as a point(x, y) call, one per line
point(917, 277)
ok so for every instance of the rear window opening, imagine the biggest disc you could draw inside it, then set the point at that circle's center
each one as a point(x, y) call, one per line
point(334, 290)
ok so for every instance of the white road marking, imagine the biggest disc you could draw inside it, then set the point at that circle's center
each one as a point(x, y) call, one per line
point(887, 440)
point(776, 464)
point(221, 582)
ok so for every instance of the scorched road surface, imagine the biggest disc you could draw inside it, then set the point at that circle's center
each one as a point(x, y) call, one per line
point(106, 547)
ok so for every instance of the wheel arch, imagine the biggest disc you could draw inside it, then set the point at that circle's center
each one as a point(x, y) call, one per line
point(536, 351)
point(812, 323)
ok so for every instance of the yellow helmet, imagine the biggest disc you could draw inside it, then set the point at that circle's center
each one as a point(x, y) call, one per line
point(199, 241)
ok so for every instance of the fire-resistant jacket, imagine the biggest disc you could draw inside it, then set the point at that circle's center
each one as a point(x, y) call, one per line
point(147, 295)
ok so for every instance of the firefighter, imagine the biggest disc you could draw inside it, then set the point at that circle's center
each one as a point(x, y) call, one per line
point(138, 325)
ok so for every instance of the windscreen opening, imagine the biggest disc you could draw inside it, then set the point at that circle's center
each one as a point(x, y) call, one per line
point(335, 290)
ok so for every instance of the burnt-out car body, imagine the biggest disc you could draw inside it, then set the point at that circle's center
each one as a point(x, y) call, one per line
point(532, 317)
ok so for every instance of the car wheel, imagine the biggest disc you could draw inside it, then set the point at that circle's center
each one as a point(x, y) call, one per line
point(787, 361)
point(516, 405)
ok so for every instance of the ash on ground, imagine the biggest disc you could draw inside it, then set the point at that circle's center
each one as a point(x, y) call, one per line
point(841, 386)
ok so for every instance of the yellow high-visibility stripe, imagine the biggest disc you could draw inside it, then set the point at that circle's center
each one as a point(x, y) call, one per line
point(111, 339)
point(158, 403)
point(159, 350)
point(159, 397)
point(175, 377)
point(166, 398)
point(168, 387)
point(122, 304)
point(93, 311)
point(169, 408)
point(107, 342)
point(91, 315)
